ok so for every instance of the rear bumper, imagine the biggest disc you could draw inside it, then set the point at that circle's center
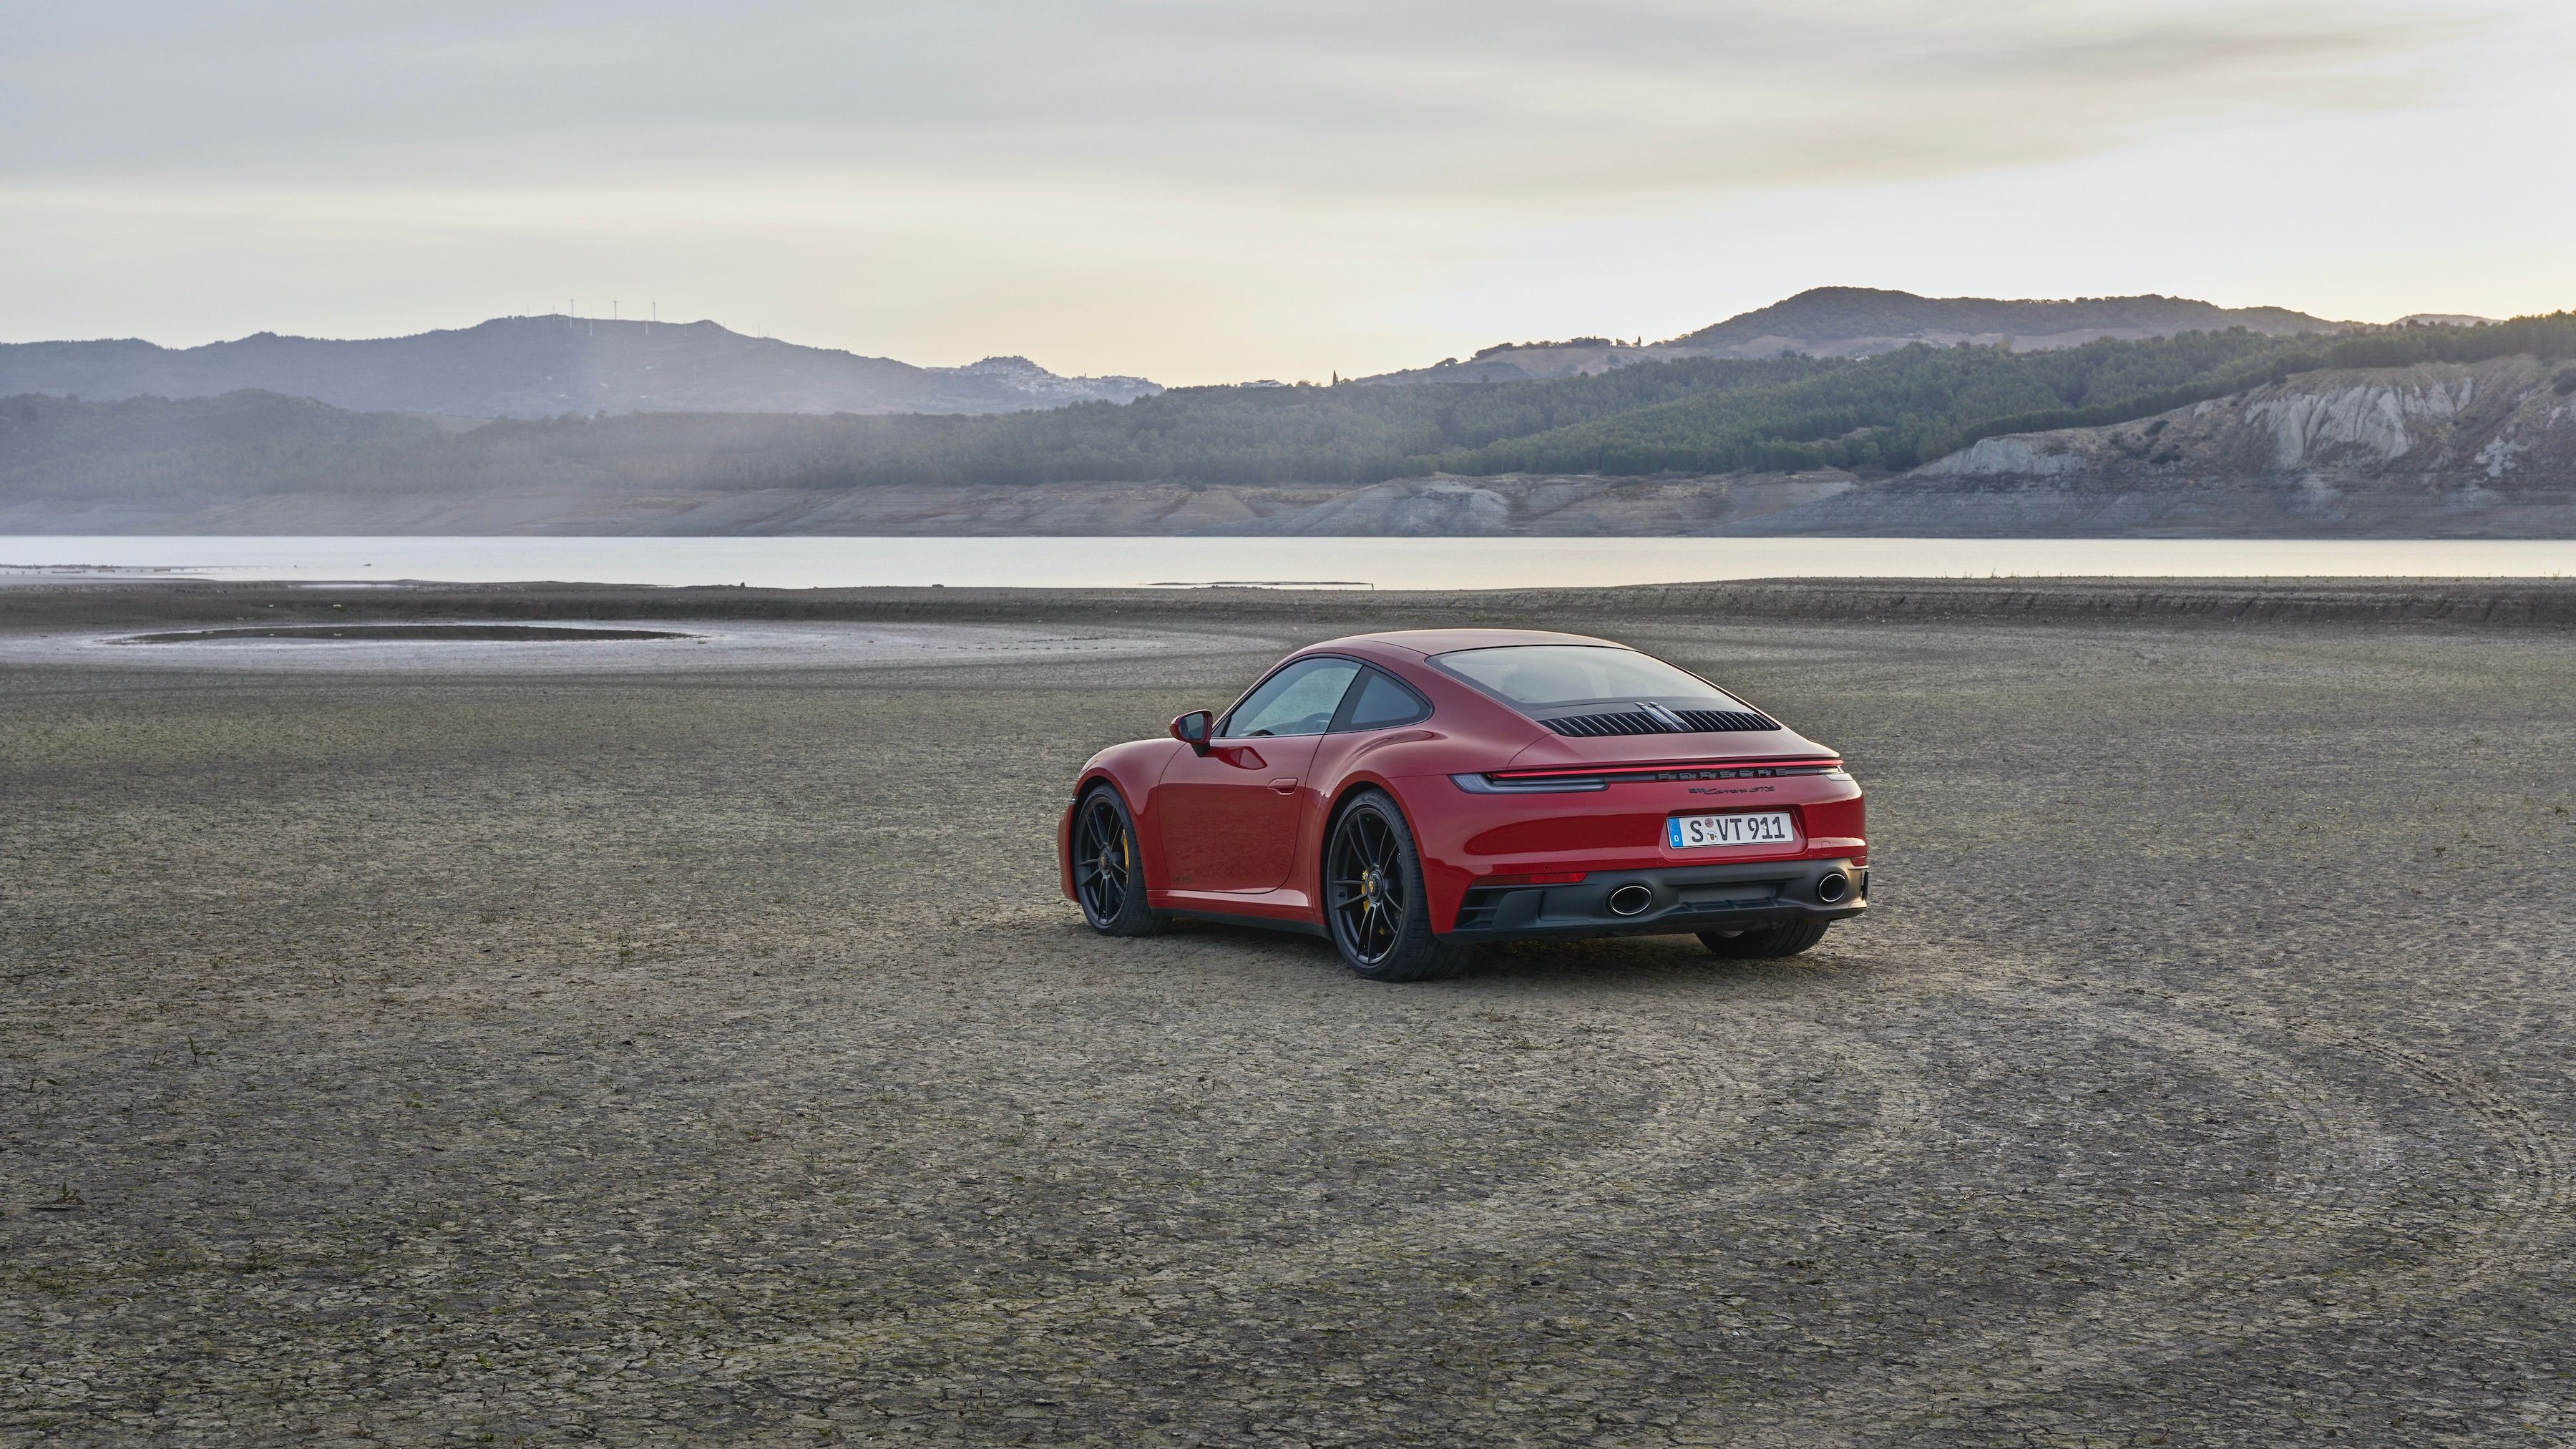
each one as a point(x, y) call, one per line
point(1681, 899)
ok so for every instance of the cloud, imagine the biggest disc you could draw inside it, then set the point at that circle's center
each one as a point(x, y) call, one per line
point(1436, 101)
point(1191, 188)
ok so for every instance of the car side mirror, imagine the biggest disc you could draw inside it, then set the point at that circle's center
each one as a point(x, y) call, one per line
point(1192, 729)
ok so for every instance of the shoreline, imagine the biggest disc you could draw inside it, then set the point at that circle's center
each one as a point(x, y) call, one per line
point(48, 605)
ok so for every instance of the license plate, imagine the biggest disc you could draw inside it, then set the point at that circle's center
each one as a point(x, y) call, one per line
point(1691, 832)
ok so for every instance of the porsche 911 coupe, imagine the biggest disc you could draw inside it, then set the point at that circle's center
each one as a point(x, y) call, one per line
point(1412, 795)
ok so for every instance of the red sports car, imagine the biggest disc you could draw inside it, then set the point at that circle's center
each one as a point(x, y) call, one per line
point(1410, 795)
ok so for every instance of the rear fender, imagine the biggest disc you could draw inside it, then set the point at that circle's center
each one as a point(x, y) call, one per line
point(1444, 882)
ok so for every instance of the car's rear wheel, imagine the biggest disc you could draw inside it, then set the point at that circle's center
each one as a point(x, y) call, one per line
point(1108, 871)
point(1374, 897)
point(1763, 943)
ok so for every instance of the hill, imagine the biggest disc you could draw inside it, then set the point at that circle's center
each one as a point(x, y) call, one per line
point(534, 367)
point(1866, 321)
point(2437, 448)
point(1662, 447)
point(67, 450)
point(1857, 321)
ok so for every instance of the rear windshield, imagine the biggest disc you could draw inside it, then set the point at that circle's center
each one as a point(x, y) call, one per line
point(1537, 676)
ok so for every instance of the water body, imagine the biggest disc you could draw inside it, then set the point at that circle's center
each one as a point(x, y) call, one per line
point(1378, 563)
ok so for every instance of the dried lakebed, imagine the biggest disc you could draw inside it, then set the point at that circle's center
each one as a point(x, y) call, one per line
point(704, 1054)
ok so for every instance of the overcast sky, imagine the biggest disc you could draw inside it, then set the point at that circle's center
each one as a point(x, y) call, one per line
point(1215, 191)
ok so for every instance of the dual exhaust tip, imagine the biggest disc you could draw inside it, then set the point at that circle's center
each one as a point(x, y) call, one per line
point(1634, 898)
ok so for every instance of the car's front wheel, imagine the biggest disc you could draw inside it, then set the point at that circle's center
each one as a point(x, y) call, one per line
point(1374, 896)
point(1108, 871)
point(1764, 943)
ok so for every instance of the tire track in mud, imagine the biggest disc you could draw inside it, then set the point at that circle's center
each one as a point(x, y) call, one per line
point(1714, 1064)
point(2324, 1186)
point(2531, 1213)
point(2347, 1192)
point(1701, 1108)
point(2338, 1175)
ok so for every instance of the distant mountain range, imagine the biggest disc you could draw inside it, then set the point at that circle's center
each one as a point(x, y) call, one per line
point(2100, 415)
point(534, 367)
point(1866, 321)
point(2397, 431)
point(537, 367)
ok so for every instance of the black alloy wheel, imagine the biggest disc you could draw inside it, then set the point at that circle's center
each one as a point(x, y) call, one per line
point(1108, 874)
point(1764, 943)
point(1374, 898)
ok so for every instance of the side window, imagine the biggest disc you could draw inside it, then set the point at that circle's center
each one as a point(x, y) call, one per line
point(1383, 702)
point(1298, 700)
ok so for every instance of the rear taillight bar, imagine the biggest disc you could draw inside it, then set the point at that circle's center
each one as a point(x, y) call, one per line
point(1541, 785)
point(1730, 770)
point(1572, 779)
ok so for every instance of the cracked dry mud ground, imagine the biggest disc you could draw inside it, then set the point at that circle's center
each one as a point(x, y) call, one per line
point(709, 1057)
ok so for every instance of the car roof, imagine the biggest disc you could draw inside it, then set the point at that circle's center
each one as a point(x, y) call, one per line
point(1427, 642)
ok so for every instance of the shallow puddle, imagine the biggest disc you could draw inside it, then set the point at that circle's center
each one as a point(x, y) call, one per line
point(361, 633)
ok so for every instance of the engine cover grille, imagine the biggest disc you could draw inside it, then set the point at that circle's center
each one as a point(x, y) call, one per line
point(1630, 722)
point(1638, 722)
point(1726, 721)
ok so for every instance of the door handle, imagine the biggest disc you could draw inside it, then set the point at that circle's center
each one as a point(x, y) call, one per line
point(1284, 787)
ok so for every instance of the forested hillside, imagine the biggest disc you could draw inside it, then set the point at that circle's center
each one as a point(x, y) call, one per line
point(1697, 416)
point(1869, 321)
point(1906, 408)
point(243, 442)
point(1829, 315)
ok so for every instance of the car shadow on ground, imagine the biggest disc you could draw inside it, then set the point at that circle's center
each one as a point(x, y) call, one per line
point(1593, 965)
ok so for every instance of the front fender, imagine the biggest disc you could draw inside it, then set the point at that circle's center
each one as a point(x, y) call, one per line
point(1131, 768)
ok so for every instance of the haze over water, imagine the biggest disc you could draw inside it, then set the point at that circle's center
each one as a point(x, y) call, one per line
point(1385, 563)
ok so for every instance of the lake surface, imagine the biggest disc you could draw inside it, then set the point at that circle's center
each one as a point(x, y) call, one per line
point(1383, 563)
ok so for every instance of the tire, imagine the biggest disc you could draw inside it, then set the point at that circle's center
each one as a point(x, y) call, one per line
point(1374, 901)
point(1108, 870)
point(1764, 943)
